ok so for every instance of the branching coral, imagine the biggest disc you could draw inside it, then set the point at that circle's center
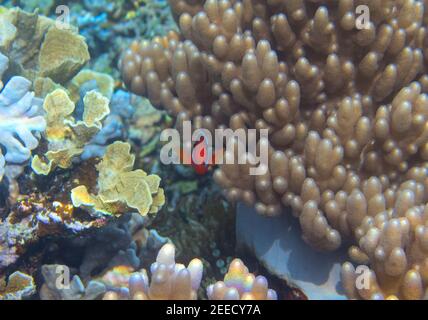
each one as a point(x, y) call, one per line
point(119, 187)
point(169, 280)
point(66, 136)
point(20, 125)
point(345, 107)
point(239, 284)
point(172, 281)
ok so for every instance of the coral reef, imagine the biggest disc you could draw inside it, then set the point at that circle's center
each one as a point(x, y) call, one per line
point(122, 106)
point(38, 48)
point(87, 80)
point(21, 123)
point(19, 286)
point(107, 26)
point(239, 284)
point(98, 23)
point(66, 136)
point(169, 280)
point(75, 290)
point(119, 187)
point(123, 242)
point(346, 111)
point(33, 219)
point(115, 125)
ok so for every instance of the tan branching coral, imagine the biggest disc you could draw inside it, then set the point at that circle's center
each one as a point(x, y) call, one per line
point(169, 280)
point(66, 136)
point(346, 110)
point(240, 284)
point(120, 188)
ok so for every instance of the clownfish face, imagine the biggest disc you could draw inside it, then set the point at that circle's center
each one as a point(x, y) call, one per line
point(202, 157)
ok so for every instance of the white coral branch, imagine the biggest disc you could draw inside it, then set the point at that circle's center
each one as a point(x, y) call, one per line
point(21, 121)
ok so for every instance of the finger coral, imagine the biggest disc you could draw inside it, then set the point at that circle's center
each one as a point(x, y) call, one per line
point(119, 187)
point(169, 280)
point(21, 123)
point(166, 280)
point(345, 106)
point(239, 284)
point(66, 136)
point(74, 290)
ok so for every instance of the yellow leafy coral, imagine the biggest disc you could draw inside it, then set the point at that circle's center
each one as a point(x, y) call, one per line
point(104, 83)
point(120, 188)
point(38, 48)
point(66, 136)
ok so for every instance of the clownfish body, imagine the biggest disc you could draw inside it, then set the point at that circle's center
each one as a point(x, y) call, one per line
point(201, 158)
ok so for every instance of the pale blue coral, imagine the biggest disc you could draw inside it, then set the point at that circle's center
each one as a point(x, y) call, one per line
point(21, 121)
point(121, 108)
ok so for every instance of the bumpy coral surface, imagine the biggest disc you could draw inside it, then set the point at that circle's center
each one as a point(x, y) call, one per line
point(239, 284)
point(346, 110)
point(21, 123)
point(169, 280)
point(76, 290)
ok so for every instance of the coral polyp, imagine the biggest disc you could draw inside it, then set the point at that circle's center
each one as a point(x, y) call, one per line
point(239, 284)
point(169, 280)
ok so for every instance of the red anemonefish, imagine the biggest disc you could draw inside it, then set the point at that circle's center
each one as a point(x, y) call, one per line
point(202, 157)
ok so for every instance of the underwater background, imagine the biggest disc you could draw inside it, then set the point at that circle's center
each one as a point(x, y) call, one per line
point(89, 211)
point(43, 234)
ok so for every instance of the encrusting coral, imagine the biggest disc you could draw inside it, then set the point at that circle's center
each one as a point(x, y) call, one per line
point(120, 188)
point(21, 123)
point(346, 110)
